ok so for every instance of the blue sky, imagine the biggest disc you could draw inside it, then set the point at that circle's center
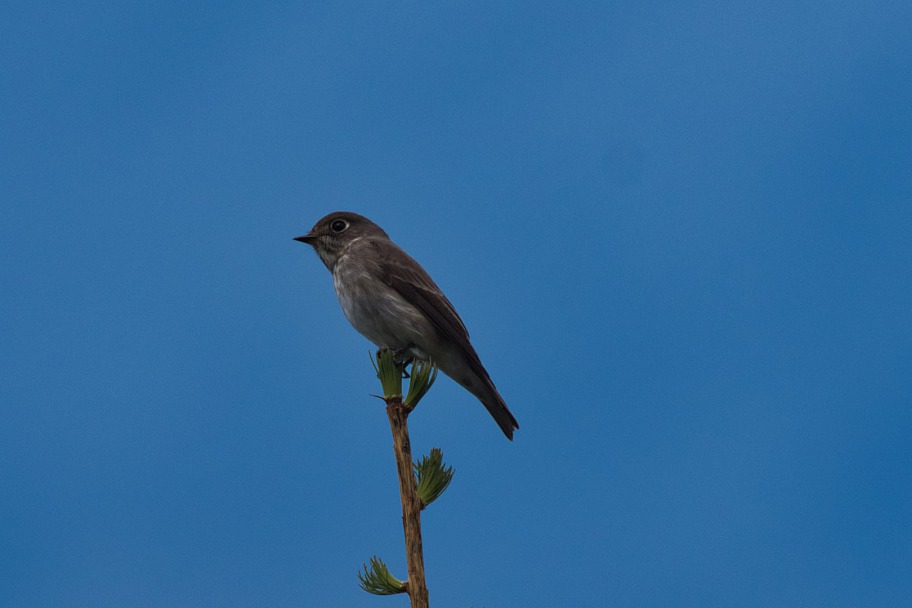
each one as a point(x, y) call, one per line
point(678, 234)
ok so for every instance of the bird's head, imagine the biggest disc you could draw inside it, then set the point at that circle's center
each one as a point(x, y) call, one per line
point(333, 233)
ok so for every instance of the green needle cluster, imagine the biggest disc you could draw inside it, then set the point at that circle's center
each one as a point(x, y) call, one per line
point(378, 580)
point(433, 477)
point(389, 370)
point(422, 379)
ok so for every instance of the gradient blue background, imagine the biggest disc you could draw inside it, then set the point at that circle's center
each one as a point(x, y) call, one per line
point(679, 236)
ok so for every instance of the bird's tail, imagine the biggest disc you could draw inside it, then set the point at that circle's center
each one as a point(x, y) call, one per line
point(498, 409)
point(468, 372)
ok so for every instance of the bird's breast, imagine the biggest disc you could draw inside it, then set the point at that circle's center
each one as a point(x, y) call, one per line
point(376, 310)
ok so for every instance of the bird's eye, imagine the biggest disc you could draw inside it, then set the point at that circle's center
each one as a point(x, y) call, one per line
point(338, 226)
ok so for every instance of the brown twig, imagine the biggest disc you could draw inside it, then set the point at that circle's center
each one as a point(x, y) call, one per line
point(411, 505)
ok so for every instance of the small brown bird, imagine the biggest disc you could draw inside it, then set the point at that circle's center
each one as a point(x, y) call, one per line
point(393, 302)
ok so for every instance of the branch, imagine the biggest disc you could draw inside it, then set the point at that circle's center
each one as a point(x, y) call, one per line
point(432, 476)
point(411, 506)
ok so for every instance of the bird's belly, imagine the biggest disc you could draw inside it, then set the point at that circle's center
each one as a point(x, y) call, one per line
point(378, 312)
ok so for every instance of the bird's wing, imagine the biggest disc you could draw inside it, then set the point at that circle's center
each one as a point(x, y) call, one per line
point(401, 272)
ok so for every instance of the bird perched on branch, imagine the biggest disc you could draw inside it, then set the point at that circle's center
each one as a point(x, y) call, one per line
point(393, 302)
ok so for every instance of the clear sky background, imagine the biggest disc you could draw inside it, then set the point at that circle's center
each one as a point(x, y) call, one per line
point(678, 234)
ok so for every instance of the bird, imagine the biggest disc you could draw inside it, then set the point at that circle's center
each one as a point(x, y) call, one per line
point(392, 301)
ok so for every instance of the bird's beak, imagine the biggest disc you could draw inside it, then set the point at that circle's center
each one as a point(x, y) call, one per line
point(308, 238)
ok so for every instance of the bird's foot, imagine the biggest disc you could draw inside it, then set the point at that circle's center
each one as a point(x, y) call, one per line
point(403, 357)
